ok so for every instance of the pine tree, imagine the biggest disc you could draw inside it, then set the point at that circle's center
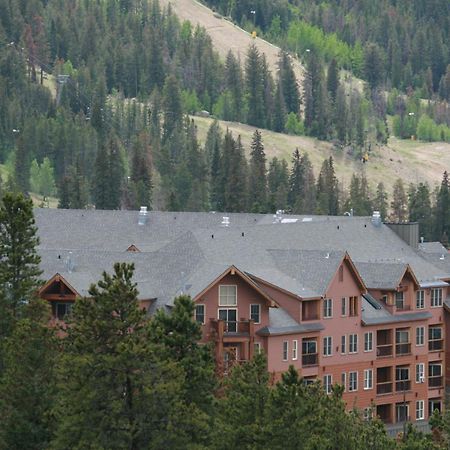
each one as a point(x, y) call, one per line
point(19, 266)
point(419, 206)
point(177, 337)
point(333, 80)
point(172, 107)
point(254, 82)
point(288, 83)
point(257, 175)
point(359, 196)
point(380, 202)
point(242, 410)
point(399, 204)
point(327, 189)
point(22, 165)
point(442, 208)
point(27, 381)
point(213, 147)
point(278, 182)
point(113, 391)
point(141, 175)
point(234, 84)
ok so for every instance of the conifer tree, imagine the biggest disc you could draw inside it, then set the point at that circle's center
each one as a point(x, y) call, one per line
point(296, 180)
point(333, 80)
point(327, 189)
point(419, 206)
point(19, 261)
point(172, 106)
point(255, 89)
point(359, 196)
point(141, 175)
point(288, 83)
point(257, 174)
point(278, 183)
point(234, 84)
point(113, 390)
point(380, 202)
point(442, 208)
point(399, 204)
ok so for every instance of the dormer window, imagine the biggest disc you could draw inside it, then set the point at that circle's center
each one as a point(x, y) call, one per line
point(436, 297)
point(399, 300)
point(227, 295)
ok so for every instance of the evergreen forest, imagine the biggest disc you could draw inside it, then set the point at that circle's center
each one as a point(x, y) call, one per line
point(111, 378)
point(97, 101)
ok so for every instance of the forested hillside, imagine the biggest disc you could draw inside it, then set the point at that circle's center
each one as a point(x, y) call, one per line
point(95, 97)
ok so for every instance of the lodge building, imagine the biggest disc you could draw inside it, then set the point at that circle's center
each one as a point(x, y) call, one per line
point(345, 300)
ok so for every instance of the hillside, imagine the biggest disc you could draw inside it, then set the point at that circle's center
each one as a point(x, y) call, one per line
point(413, 161)
point(225, 35)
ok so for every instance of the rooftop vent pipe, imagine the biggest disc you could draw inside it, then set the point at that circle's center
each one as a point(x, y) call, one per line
point(225, 221)
point(376, 218)
point(143, 216)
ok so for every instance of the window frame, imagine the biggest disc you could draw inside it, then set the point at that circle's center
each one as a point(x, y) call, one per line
point(368, 341)
point(353, 343)
point(68, 306)
point(328, 384)
point(256, 348)
point(204, 313)
point(259, 313)
point(433, 297)
point(344, 306)
point(420, 409)
point(399, 301)
point(327, 308)
point(327, 346)
point(353, 378)
point(420, 342)
point(344, 380)
point(221, 286)
point(294, 350)
point(285, 350)
point(368, 379)
point(344, 347)
point(420, 299)
point(353, 306)
point(420, 373)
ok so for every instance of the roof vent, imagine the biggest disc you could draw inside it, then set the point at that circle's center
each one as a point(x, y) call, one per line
point(376, 218)
point(225, 221)
point(143, 216)
point(278, 216)
point(442, 257)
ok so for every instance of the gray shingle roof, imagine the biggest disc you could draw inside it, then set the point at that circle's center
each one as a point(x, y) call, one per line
point(381, 275)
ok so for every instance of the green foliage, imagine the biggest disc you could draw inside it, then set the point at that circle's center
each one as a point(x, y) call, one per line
point(294, 125)
point(257, 175)
point(42, 178)
point(190, 102)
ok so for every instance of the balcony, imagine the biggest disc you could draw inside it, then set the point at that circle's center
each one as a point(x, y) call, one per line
point(384, 350)
point(384, 388)
point(435, 382)
point(435, 345)
point(403, 349)
point(230, 328)
point(310, 310)
point(310, 359)
point(402, 385)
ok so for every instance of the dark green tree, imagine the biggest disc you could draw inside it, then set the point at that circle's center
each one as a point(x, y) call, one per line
point(288, 83)
point(257, 174)
point(333, 80)
point(172, 106)
point(380, 202)
point(278, 184)
point(327, 189)
point(399, 204)
point(419, 206)
point(255, 89)
point(442, 208)
point(140, 183)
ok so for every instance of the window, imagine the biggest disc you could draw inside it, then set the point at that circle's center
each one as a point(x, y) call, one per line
point(368, 341)
point(344, 306)
point(255, 313)
point(327, 383)
point(368, 413)
point(352, 381)
point(200, 313)
point(257, 347)
point(352, 343)
point(309, 347)
point(341, 273)
point(420, 335)
point(227, 295)
point(344, 344)
point(435, 341)
point(368, 379)
point(63, 309)
point(420, 299)
point(420, 373)
point(344, 380)
point(434, 370)
point(285, 350)
point(436, 297)
point(327, 308)
point(229, 316)
point(353, 306)
point(399, 300)
point(294, 349)
point(420, 409)
point(327, 342)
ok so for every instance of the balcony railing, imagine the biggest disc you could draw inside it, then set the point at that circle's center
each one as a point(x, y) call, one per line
point(402, 385)
point(402, 349)
point(435, 345)
point(310, 359)
point(384, 388)
point(435, 381)
point(231, 327)
point(384, 350)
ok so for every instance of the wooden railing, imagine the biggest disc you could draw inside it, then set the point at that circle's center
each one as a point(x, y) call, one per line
point(231, 327)
point(435, 381)
point(310, 359)
point(384, 350)
point(402, 385)
point(384, 387)
point(435, 345)
point(402, 349)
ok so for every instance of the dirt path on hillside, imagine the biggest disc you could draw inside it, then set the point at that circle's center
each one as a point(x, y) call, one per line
point(225, 35)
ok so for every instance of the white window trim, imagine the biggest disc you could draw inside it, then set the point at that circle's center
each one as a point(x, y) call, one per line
point(330, 346)
point(352, 352)
point(350, 381)
point(228, 285)
point(344, 301)
point(346, 346)
point(204, 313)
point(250, 311)
point(330, 385)
point(331, 308)
point(422, 409)
point(420, 372)
point(423, 299)
point(257, 347)
point(371, 342)
point(366, 371)
point(294, 350)
point(287, 351)
point(431, 298)
point(344, 380)
point(423, 337)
